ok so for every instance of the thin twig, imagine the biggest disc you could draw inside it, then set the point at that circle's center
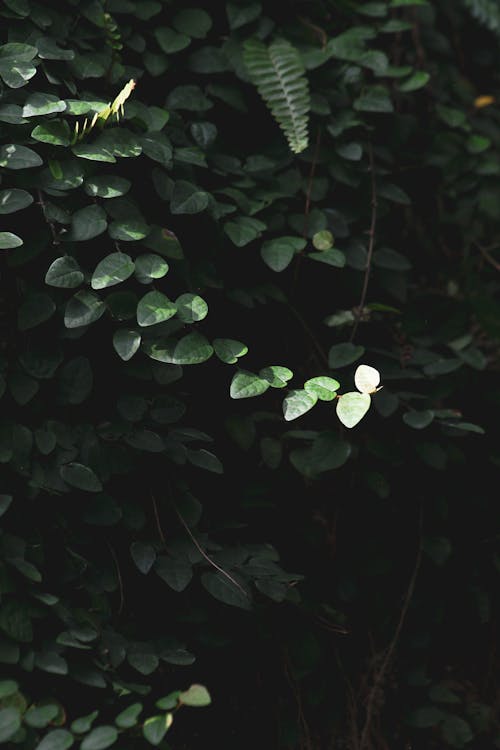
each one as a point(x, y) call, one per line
point(371, 233)
point(41, 202)
point(119, 576)
point(486, 255)
point(207, 558)
point(379, 677)
point(158, 523)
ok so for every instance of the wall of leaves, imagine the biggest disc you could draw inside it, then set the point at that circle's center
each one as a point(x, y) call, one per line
point(276, 193)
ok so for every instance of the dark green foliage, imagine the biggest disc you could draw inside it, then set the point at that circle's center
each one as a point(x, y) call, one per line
point(178, 285)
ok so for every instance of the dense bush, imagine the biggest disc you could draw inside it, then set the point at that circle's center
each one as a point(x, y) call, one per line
point(276, 193)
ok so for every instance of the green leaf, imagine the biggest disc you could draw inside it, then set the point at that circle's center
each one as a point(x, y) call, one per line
point(391, 259)
point(87, 223)
point(425, 717)
point(205, 460)
point(149, 267)
point(240, 15)
point(129, 717)
point(393, 193)
point(332, 257)
point(93, 152)
point(194, 22)
point(58, 739)
point(34, 309)
point(341, 355)
point(80, 476)
point(191, 308)
point(169, 701)
point(5, 501)
point(14, 200)
point(55, 132)
point(439, 549)
point(247, 385)
point(224, 590)
point(143, 555)
point(418, 419)
point(143, 660)
point(323, 387)
point(155, 728)
point(170, 41)
point(456, 731)
point(38, 105)
point(154, 308)
point(126, 343)
point(13, 156)
point(276, 376)
point(229, 350)
point(187, 198)
point(130, 230)
point(244, 230)
point(112, 270)
point(64, 272)
point(83, 309)
point(188, 97)
point(192, 350)
point(196, 695)
point(106, 186)
point(40, 717)
point(177, 573)
point(8, 687)
point(443, 366)
point(374, 99)
point(278, 253)
point(100, 738)
point(84, 723)
point(297, 403)
point(327, 453)
point(352, 407)
point(323, 240)
point(9, 240)
point(416, 81)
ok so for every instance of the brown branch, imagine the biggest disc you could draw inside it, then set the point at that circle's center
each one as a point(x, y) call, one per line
point(380, 675)
point(371, 234)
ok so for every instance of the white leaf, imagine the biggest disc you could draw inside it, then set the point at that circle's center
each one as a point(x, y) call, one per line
point(366, 379)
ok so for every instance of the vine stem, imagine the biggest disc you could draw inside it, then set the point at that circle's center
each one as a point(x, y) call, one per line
point(157, 518)
point(120, 579)
point(371, 243)
point(207, 557)
point(380, 675)
point(307, 208)
point(319, 349)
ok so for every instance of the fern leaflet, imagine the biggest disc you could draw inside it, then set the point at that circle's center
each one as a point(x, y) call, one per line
point(279, 75)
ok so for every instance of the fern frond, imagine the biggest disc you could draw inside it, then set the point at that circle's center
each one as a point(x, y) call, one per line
point(486, 12)
point(279, 75)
